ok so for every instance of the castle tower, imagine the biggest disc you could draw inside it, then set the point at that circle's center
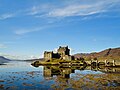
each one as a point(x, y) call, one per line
point(48, 55)
point(63, 51)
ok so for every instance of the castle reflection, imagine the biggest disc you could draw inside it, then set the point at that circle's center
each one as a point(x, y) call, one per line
point(50, 71)
point(65, 71)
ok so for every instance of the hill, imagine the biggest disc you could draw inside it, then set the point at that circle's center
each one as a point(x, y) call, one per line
point(30, 60)
point(111, 53)
point(4, 60)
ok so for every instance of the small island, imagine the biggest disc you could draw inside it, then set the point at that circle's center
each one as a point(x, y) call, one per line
point(62, 57)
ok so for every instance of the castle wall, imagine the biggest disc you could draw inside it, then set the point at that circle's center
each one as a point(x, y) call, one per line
point(66, 57)
point(48, 55)
point(62, 53)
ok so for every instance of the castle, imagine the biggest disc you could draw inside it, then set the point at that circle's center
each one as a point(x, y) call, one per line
point(63, 53)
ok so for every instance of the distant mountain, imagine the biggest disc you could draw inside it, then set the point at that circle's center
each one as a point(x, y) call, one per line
point(111, 53)
point(4, 60)
point(40, 59)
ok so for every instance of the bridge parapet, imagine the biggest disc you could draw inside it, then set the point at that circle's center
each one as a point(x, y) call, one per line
point(109, 62)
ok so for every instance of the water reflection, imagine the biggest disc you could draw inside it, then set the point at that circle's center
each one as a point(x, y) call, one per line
point(23, 76)
point(65, 71)
point(83, 77)
point(50, 71)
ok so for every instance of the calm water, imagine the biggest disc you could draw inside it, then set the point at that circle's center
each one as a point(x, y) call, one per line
point(23, 76)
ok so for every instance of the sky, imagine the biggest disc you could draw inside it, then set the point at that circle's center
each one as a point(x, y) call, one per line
point(30, 27)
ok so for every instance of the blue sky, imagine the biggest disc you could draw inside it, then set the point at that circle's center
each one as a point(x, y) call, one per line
point(29, 27)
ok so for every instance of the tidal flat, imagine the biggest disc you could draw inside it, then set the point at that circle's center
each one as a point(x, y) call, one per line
point(20, 75)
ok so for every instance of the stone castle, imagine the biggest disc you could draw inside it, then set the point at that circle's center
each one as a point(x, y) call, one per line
point(63, 53)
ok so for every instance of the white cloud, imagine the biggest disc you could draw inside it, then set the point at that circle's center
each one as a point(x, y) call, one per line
point(75, 8)
point(67, 9)
point(40, 10)
point(55, 50)
point(82, 10)
point(24, 31)
point(6, 16)
point(34, 10)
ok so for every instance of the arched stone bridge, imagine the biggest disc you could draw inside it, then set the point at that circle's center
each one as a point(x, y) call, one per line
point(110, 62)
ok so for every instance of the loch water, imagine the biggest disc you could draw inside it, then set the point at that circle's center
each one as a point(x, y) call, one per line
point(21, 75)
